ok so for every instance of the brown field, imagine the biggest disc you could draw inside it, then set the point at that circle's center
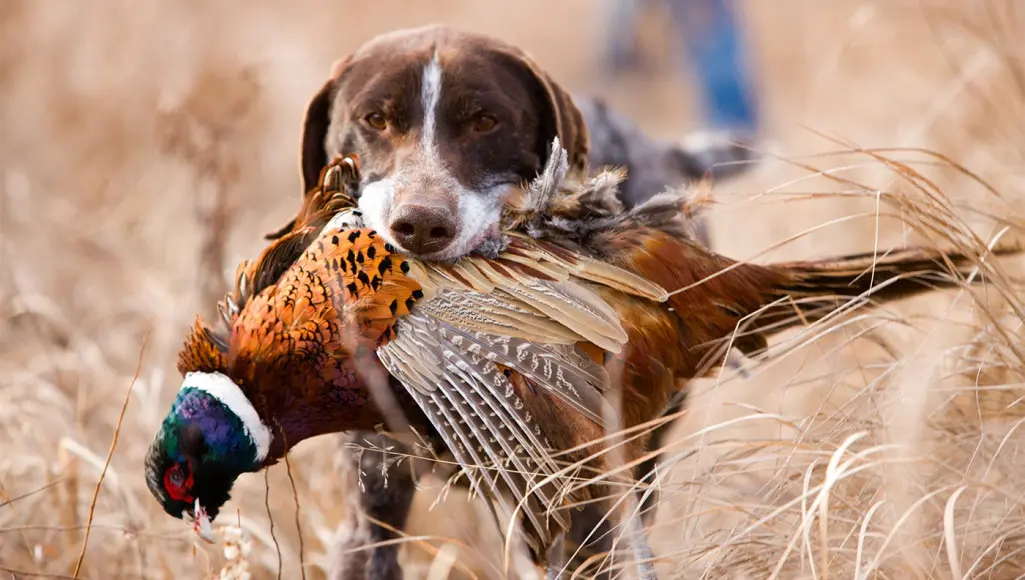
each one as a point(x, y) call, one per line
point(146, 146)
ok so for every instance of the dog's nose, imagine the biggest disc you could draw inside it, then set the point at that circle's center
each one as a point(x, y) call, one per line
point(422, 229)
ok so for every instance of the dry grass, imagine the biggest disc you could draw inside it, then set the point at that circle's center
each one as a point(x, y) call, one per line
point(146, 148)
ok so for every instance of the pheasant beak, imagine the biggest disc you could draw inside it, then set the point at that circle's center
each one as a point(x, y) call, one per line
point(201, 524)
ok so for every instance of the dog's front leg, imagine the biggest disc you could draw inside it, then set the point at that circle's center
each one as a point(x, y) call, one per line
point(380, 475)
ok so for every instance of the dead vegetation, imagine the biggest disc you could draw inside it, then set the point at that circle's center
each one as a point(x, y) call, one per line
point(146, 149)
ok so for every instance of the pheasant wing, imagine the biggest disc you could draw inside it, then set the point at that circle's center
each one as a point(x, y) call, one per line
point(453, 376)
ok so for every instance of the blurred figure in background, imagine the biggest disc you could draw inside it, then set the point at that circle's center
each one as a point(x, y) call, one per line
point(715, 52)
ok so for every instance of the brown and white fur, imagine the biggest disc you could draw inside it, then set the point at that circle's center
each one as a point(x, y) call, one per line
point(448, 124)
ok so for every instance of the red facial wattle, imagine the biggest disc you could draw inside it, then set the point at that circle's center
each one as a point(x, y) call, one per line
point(178, 483)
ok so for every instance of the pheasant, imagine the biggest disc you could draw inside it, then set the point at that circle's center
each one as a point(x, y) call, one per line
point(503, 358)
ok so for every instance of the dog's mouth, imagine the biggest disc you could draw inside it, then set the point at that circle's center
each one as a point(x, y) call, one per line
point(488, 242)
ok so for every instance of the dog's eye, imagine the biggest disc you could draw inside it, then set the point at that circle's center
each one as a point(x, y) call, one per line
point(376, 121)
point(484, 123)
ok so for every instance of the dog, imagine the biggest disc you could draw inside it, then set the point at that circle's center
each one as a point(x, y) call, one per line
point(448, 125)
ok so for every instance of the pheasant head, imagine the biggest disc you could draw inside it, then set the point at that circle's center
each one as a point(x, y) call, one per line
point(300, 330)
point(212, 435)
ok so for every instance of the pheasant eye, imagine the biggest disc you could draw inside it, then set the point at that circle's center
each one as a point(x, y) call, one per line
point(178, 483)
point(177, 479)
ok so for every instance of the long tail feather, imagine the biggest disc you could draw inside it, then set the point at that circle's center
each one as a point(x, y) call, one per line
point(811, 291)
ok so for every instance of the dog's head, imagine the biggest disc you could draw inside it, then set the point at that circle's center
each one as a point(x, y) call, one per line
point(448, 124)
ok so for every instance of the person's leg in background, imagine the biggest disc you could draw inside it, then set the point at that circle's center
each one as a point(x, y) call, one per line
point(717, 54)
point(623, 53)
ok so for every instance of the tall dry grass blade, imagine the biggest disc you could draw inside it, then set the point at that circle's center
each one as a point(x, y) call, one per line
point(442, 564)
point(270, 518)
point(298, 519)
point(950, 534)
point(110, 455)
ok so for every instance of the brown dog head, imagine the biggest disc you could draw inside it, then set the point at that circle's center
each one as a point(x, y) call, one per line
point(447, 123)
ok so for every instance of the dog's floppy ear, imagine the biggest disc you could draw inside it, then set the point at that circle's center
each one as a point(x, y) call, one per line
point(560, 117)
point(313, 149)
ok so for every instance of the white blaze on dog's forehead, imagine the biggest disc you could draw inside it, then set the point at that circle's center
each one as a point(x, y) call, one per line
point(222, 388)
point(375, 203)
point(430, 94)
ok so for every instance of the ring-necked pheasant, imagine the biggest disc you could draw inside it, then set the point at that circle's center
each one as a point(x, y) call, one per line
point(501, 358)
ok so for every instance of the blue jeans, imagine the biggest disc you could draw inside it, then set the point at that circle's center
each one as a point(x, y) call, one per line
point(715, 49)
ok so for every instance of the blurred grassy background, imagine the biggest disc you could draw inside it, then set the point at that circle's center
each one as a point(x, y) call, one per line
point(146, 147)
